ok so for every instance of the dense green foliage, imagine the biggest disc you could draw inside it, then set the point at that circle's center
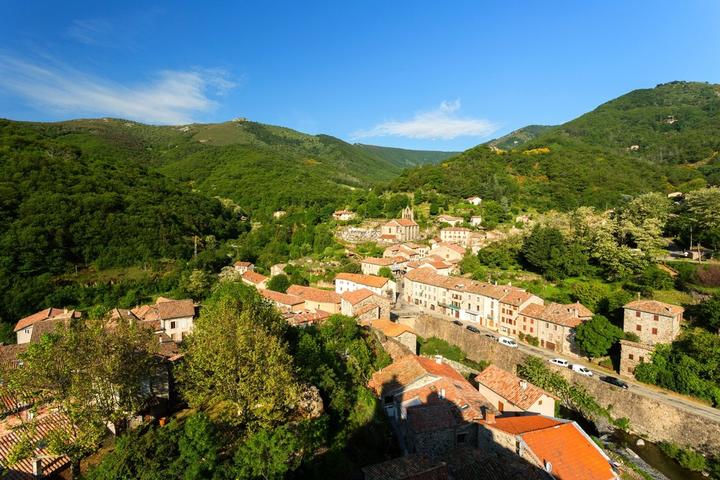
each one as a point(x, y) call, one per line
point(250, 389)
point(597, 335)
point(406, 158)
point(519, 137)
point(689, 365)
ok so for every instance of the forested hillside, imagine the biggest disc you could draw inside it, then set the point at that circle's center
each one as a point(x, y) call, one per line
point(404, 158)
point(660, 139)
point(64, 205)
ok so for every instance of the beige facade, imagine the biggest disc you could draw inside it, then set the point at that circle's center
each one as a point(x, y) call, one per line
point(553, 325)
point(633, 354)
point(457, 235)
point(543, 406)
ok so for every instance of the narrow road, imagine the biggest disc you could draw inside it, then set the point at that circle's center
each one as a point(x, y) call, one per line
point(691, 405)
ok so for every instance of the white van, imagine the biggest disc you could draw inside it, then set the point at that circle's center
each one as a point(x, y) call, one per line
point(582, 370)
point(508, 342)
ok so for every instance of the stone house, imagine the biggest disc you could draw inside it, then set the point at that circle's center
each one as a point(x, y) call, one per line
point(511, 394)
point(356, 303)
point(449, 252)
point(633, 354)
point(652, 321)
point(317, 299)
point(475, 200)
point(242, 267)
point(559, 447)
point(283, 301)
point(513, 300)
point(349, 282)
point(255, 279)
point(402, 333)
point(402, 229)
point(372, 265)
point(431, 406)
point(553, 324)
point(432, 262)
point(343, 215)
point(24, 327)
point(476, 220)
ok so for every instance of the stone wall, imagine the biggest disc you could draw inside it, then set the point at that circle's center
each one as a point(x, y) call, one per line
point(653, 419)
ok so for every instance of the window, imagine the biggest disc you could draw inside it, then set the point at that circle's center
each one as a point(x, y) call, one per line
point(501, 407)
point(461, 438)
point(388, 399)
point(656, 318)
point(654, 331)
point(642, 359)
point(531, 329)
point(631, 356)
point(540, 402)
point(172, 325)
point(637, 314)
point(638, 327)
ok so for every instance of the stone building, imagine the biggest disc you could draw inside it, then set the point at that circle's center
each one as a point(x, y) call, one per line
point(512, 394)
point(402, 229)
point(652, 321)
point(554, 324)
point(633, 354)
point(459, 235)
point(398, 331)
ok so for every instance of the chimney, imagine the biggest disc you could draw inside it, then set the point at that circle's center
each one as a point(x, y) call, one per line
point(37, 467)
point(488, 416)
point(438, 359)
point(523, 384)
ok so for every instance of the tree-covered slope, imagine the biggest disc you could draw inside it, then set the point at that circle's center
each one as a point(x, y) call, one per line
point(65, 203)
point(404, 158)
point(661, 139)
point(519, 137)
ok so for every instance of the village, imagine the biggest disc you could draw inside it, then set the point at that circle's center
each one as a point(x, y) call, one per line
point(445, 422)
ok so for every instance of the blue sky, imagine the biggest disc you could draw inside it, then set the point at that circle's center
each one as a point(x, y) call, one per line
point(416, 74)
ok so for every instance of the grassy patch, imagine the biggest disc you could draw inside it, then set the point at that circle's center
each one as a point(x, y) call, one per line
point(436, 346)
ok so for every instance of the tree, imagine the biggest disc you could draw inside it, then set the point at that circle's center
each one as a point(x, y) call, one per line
point(199, 449)
point(279, 283)
point(546, 250)
point(707, 313)
point(386, 272)
point(94, 372)
point(237, 361)
point(196, 284)
point(597, 335)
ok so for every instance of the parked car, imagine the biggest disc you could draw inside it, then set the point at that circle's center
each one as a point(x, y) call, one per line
point(473, 329)
point(615, 381)
point(508, 342)
point(491, 336)
point(582, 370)
point(457, 322)
point(560, 362)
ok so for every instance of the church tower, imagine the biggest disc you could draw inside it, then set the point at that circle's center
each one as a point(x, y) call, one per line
point(408, 214)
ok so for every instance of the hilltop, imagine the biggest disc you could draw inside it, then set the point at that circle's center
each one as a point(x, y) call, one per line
point(661, 139)
point(404, 158)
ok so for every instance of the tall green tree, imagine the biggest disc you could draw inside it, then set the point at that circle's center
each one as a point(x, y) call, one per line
point(237, 361)
point(597, 335)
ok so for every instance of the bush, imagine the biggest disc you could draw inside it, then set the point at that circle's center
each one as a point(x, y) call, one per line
point(684, 456)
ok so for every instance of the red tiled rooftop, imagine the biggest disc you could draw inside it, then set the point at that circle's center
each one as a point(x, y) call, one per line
point(281, 298)
point(510, 387)
point(390, 328)
point(254, 277)
point(369, 280)
point(314, 294)
point(44, 315)
point(356, 296)
point(653, 306)
point(524, 423)
point(176, 309)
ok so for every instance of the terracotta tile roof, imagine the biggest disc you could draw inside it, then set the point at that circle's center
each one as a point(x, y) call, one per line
point(402, 222)
point(466, 401)
point(305, 318)
point(280, 298)
point(519, 424)
point(452, 246)
point(515, 296)
point(455, 229)
point(572, 454)
point(357, 296)
point(359, 278)
point(368, 308)
point(168, 310)
point(449, 218)
point(314, 294)
point(45, 327)
point(440, 369)
point(387, 236)
point(146, 313)
point(243, 264)
point(44, 315)
point(23, 470)
point(653, 306)
point(413, 245)
point(510, 387)
point(570, 315)
point(383, 262)
point(254, 277)
point(389, 328)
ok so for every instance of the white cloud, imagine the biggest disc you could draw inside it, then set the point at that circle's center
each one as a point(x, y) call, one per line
point(170, 97)
point(440, 124)
point(88, 31)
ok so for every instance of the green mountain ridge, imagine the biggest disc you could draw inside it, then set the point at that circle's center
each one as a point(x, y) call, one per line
point(404, 158)
point(519, 137)
point(661, 139)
